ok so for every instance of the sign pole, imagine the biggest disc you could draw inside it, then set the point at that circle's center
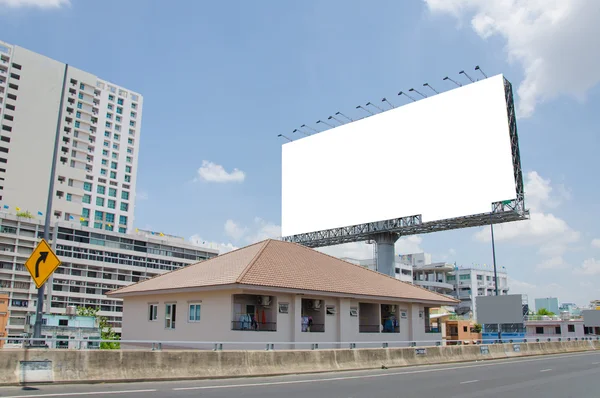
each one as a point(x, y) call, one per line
point(37, 328)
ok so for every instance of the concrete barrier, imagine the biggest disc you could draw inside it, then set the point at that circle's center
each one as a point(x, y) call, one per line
point(22, 366)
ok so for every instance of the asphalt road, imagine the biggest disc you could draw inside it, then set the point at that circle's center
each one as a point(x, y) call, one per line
point(555, 376)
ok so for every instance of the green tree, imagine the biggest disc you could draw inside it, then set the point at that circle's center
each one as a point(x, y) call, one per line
point(543, 311)
point(24, 214)
point(106, 330)
point(477, 328)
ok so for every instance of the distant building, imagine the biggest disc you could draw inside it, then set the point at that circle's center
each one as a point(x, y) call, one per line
point(565, 326)
point(470, 282)
point(404, 272)
point(60, 329)
point(548, 303)
point(3, 316)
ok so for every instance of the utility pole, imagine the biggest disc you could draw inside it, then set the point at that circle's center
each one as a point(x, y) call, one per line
point(495, 272)
point(37, 328)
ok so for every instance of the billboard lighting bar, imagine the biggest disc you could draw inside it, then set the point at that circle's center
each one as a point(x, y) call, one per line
point(283, 136)
point(479, 69)
point(402, 92)
point(300, 131)
point(388, 102)
point(341, 114)
point(433, 89)
point(462, 72)
point(418, 92)
point(320, 121)
point(373, 105)
point(364, 109)
point(308, 127)
point(453, 81)
point(336, 119)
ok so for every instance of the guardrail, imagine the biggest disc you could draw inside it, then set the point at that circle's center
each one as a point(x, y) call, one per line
point(154, 345)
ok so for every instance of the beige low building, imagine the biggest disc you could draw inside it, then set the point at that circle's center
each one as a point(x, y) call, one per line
point(277, 292)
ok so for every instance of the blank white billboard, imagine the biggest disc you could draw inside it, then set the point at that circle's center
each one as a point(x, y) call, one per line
point(499, 309)
point(445, 156)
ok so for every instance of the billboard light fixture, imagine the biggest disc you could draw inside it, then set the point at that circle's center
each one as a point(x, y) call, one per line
point(364, 109)
point(308, 127)
point(453, 81)
point(388, 102)
point(336, 119)
point(418, 92)
point(283, 136)
point(373, 105)
point(433, 89)
point(462, 72)
point(403, 93)
point(341, 114)
point(300, 131)
point(479, 69)
point(320, 121)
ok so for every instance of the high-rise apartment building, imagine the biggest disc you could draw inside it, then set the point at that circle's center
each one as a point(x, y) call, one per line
point(98, 126)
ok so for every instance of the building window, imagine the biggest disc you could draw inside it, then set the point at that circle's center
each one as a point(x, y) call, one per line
point(122, 230)
point(129, 158)
point(15, 76)
point(69, 197)
point(130, 141)
point(132, 123)
point(77, 114)
point(125, 195)
point(111, 97)
point(111, 204)
point(539, 330)
point(79, 105)
point(465, 277)
point(113, 165)
point(81, 86)
point(557, 330)
point(128, 169)
point(153, 312)
point(127, 178)
point(104, 162)
point(98, 225)
point(110, 217)
point(170, 315)
point(85, 212)
point(87, 186)
point(80, 95)
point(110, 107)
point(134, 106)
point(104, 152)
point(109, 115)
point(123, 220)
point(119, 110)
point(571, 328)
point(113, 175)
point(124, 206)
point(112, 192)
point(117, 127)
point(77, 124)
point(108, 227)
point(101, 189)
point(103, 172)
point(118, 119)
point(133, 114)
point(99, 201)
point(194, 313)
point(107, 134)
point(63, 322)
point(98, 215)
point(85, 223)
point(108, 124)
point(120, 101)
point(117, 137)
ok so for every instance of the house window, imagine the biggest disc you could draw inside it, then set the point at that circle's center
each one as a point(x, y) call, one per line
point(539, 330)
point(571, 328)
point(63, 322)
point(194, 313)
point(170, 315)
point(557, 330)
point(153, 312)
point(465, 277)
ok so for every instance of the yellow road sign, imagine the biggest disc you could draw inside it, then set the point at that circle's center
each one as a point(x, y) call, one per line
point(42, 263)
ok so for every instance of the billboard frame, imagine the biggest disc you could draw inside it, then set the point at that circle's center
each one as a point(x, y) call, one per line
point(501, 211)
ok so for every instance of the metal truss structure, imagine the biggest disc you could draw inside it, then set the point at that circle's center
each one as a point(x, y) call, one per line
point(502, 211)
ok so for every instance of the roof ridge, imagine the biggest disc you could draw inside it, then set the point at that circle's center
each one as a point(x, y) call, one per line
point(253, 261)
point(370, 270)
point(182, 268)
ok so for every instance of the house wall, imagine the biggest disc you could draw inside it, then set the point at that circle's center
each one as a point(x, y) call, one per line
point(550, 329)
point(217, 308)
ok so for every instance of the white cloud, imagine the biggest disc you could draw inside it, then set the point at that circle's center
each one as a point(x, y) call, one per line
point(222, 247)
point(142, 195)
point(233, 230)
point(263, 230)
point(557, 262)
point(552, 40)
point(596, 243)
point(212, 172)
point(591, 266)
point(35, 3)
point(552, 234)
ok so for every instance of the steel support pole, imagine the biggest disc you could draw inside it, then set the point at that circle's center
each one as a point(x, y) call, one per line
point(495, 271)
point(37, 328)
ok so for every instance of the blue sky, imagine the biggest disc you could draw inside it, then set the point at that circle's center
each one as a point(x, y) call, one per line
point(221, 79)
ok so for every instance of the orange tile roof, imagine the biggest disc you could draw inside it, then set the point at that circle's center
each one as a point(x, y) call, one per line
point(278, 264)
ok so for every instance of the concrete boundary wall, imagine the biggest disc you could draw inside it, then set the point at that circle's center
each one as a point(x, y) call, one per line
point(21, 366)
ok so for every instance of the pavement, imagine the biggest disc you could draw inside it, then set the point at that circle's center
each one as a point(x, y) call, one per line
point(549, 376)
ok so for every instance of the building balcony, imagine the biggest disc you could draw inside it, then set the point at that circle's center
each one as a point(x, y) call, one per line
point(432, 285)
point(254, 326)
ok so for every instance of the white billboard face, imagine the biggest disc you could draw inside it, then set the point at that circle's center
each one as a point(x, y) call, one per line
point(442, 157)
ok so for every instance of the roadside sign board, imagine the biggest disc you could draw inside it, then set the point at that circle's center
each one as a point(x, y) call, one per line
point(42, 263)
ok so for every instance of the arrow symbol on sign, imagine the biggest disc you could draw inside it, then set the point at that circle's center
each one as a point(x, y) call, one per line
point(41, 259)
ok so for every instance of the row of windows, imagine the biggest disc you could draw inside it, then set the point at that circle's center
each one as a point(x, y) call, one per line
point(171, 313)
point(101, 189)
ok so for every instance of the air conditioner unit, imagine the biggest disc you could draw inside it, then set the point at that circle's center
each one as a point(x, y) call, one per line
point(316, 304)
point(264, 300)
point(71, 310)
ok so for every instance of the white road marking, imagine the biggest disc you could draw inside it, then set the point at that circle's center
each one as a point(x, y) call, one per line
point(545, 370)
point(278, 383)
point(73, 394)
point(469, 382)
